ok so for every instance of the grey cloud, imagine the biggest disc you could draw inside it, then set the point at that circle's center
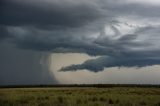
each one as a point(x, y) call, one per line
point(128, 52)
point(99, 64)
point(130, 9)
point(70, 26)
point(23, 67)
point(3, 33)
point(65, 13)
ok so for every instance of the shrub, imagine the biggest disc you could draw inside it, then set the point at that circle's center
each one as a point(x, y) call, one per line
point(94, 99)
point(46, 97)
point(78, 101)
point(158, 104)
point(142, 103)
point(117, 101)
point(60, 99)
point(102, 99)
point(110, 101)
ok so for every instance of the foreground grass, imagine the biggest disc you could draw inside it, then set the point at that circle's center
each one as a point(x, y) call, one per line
point(117, 96)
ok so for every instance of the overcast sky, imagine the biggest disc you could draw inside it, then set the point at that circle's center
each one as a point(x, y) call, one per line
point(116, 36)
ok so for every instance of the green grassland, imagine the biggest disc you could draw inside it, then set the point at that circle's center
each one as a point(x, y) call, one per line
point(80, 96)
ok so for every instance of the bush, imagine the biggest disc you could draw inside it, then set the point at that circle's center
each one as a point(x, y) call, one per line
point(110, 101)
point(94, 99)
point(60, 99)
point(142, 103)
point(117, 101)
point(78, 101)
point(102, 99)
point(158, 104)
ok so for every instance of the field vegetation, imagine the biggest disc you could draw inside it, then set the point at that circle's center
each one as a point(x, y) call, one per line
point(80, 96)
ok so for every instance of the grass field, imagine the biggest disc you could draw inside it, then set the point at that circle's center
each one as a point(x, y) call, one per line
point(72, 96)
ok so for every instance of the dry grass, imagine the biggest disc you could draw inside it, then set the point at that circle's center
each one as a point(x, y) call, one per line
point(117, 96)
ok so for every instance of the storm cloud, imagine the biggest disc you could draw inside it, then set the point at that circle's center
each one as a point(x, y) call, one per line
point(65, 13)
point(24, 67)
point(122, 33)
point(99, 64)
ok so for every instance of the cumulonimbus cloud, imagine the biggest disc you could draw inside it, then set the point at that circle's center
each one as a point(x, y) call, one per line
point(123, 33)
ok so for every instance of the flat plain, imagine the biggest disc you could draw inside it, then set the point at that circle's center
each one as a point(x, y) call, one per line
point(80, 96)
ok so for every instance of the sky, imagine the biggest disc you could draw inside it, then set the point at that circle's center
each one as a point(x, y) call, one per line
point(79, 41)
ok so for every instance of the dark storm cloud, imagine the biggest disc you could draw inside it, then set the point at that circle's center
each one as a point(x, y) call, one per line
point(99, 64)
point(3, 33)
point(128, 52)
point(66, 13)
point(23, 67)
point(125, 31)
